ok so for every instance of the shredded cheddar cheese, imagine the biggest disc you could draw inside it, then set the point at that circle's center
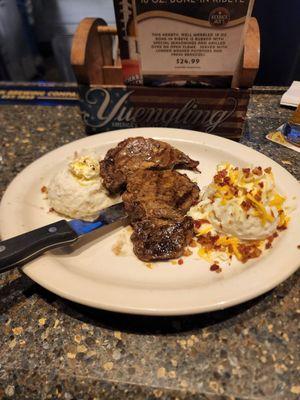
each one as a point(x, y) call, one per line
point(265, 216)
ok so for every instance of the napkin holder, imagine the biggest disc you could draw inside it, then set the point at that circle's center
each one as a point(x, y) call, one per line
point(107, 104)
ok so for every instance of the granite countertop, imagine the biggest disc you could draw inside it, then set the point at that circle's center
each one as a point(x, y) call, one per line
point(51, 348)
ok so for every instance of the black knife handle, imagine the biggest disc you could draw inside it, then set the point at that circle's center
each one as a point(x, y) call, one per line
point(22, 248)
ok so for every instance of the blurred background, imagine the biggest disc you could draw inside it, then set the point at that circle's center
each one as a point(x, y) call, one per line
point(36, 37)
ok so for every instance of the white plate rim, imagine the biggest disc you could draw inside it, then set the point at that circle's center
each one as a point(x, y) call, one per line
point(217, 142)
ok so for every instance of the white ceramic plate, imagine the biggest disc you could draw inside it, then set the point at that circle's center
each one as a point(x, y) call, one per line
point(93, 275)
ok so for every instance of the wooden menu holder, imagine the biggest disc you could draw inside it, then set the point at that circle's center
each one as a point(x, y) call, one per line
point(108, 104)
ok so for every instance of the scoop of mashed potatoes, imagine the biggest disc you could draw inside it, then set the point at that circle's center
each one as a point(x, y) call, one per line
point(242, 202)
point(76, 191)
point(232, 220)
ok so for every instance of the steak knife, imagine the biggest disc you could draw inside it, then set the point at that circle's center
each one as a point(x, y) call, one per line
point(22, 248)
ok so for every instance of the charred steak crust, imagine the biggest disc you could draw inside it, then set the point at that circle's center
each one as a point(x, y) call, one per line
point(159, 194)
point(156, 202)
point(140, 153)
point(158, 239)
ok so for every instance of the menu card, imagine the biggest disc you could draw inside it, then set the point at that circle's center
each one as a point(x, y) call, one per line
point(182, 42)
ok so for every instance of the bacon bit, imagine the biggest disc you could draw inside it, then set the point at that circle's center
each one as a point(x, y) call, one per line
point(44, 189)
point(282, 227)
point(199, 222)
point(261, 184)
point(257, 171)
point(193, 243)
point(51, 209)
point(204, 241)
point(227, 180)
point(214, 267)
point(248, 251)
point(268, 170)
point(234, 190)
point(270, 240)
point(219, 177)
point(246, 172)
point(258, 196)
point(208, 241)
point(187, 252)
point(246, 205)
point(223, 172)
point(180, 261)
point(298, 247)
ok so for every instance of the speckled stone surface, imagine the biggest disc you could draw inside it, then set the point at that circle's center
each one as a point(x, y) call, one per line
point(54, 349)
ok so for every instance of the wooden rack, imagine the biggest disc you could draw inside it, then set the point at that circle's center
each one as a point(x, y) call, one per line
point(97, 72)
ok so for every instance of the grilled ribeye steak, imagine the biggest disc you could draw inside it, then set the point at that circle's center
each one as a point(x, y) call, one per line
point(156, 202)
point(161, 239)
point(159, 194)
point(138, 153)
